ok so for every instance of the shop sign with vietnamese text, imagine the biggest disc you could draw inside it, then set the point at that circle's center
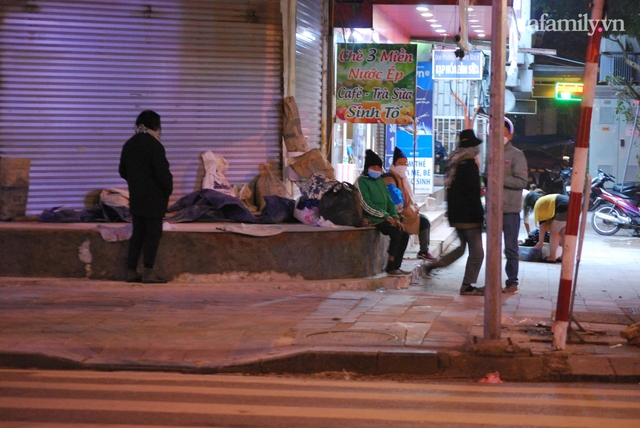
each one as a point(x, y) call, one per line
point(447, 66)
point(376, 83)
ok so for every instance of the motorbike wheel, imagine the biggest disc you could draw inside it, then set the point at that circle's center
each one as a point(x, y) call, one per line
point(604, 227)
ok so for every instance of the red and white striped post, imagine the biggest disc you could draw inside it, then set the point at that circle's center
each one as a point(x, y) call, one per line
point(577, 180)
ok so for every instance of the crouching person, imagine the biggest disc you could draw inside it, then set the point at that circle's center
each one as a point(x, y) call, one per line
point(379, 209)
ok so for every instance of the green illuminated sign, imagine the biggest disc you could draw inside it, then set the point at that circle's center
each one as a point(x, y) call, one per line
point(569, 91)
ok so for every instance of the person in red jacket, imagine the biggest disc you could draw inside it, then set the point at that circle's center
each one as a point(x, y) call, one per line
point(144, 164)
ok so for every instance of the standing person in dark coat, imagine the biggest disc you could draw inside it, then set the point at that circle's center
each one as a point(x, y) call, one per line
point(143, 163)
point(465, 211)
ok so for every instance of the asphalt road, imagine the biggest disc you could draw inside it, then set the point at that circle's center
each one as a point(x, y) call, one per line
point(91, 399)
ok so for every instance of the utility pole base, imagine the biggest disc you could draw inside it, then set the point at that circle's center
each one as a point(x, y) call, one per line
point(560, 334)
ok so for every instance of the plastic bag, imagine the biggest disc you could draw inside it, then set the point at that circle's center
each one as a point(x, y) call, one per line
point(341, 205)
point(307, 212)
point(396, 196)
point(214, 177)
point(114, 197)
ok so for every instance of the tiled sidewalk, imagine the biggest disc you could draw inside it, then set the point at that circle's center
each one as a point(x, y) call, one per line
point(184, 326)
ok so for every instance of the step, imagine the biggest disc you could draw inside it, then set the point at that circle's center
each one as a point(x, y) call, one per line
point(442, 235)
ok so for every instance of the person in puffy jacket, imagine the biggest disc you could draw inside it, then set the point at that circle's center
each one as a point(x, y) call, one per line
point(515, 180)
point(414, 222)
point(144, 164)
point(379, 209)
point(465, 212)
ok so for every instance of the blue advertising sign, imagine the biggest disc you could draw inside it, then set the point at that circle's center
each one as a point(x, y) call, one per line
point(447, 66)
point(420, 155)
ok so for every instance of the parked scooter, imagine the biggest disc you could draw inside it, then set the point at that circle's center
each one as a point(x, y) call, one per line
point(558, 182)
point(617, 213)
point(630, 191)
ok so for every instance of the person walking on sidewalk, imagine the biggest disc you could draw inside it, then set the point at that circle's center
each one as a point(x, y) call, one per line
point(414, 222)
point(144, 164)
point(515, 180)
point(462, 181)
point(379, 209)
point(551, 212)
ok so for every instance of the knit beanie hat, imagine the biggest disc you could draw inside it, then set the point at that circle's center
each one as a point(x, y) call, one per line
point(371, 159)
point(398, 154)
point(468, 139)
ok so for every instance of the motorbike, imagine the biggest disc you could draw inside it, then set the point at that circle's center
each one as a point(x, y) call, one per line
point(630, 191)
point(617, 213)
point(556, 181)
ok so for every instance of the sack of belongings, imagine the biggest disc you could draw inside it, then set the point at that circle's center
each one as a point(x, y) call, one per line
point(267, 184)
point(311, 162)
point(294, 139)
point(341, 205)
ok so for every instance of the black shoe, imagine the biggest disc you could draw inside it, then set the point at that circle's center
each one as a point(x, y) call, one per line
point(398, 272)
point(150, 277)
point(133, 276)
point(470, 290)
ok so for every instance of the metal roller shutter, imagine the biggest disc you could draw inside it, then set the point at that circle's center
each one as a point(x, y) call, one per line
point(310, 68)
point(76, 74)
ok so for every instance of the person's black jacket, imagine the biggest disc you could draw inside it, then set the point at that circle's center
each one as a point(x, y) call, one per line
point(463, 197)
point(144, 164)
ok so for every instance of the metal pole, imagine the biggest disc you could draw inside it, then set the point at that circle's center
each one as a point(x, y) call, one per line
point(583, 225)
point(577, 180)
point(495, 174)
point(633, 135)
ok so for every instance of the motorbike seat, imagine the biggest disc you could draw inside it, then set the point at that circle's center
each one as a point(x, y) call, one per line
point(631, 188)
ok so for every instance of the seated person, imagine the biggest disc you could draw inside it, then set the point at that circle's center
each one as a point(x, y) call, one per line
point(551, 212)
point(379, 209)
point(414, 222)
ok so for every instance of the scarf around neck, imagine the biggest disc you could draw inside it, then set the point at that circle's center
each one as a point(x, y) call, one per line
point(142, 128)
point(455, 158)
point(405, 182)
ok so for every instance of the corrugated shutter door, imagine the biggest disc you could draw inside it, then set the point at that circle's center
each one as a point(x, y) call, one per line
point(76, 74)
point(309, 68)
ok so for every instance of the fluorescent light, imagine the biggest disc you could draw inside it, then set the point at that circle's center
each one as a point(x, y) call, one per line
point(422, 8)
point(479, 31)
point(440, 31)
point(432, 20)
point(436, 25)
point(480, 35)
point(474, 20)
point(470, 9)
point(427, 14)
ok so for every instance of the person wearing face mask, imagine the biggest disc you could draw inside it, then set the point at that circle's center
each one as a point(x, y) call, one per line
point(465, 212)
point(380, 210)
point(414, 222)
point(515, 180)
